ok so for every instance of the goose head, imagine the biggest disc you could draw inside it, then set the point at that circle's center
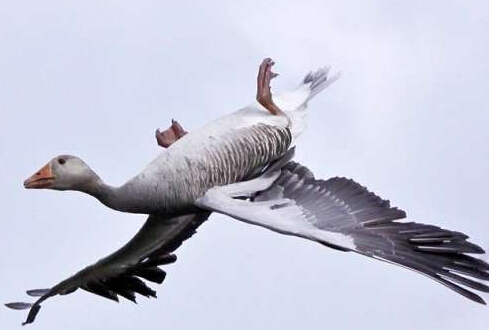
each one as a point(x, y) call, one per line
point(63, 172)
point(67, 172)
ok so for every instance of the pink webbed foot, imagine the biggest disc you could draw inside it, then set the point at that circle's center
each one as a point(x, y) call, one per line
point(263, 94)
point(170, 135)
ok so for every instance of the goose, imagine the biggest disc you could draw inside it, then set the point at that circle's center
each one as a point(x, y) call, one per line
point(241, 165)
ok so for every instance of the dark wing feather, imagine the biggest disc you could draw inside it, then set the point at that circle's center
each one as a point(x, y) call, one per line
point(121, 273)
point(344, 215)
point(342, 205)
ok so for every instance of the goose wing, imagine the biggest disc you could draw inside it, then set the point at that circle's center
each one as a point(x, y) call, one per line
point(122, 272)
point(344, 215)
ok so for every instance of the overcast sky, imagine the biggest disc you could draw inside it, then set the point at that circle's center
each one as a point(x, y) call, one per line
point(409, 119)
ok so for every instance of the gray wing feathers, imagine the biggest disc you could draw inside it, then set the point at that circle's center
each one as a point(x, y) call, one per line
point(437, 253)
point(343, 207)
point(122, 273)
point(339, 204)
point(335, 204)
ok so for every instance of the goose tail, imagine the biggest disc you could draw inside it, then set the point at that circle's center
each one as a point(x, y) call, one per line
point(317, 81)
point(294, 102)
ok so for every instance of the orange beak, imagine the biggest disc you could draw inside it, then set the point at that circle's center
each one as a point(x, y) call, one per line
point(43, 178)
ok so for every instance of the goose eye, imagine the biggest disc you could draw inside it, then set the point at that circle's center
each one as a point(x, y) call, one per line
point(61, 161)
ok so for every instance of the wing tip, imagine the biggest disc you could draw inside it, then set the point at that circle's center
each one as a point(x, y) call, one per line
point(37, 292)
point(18, 305)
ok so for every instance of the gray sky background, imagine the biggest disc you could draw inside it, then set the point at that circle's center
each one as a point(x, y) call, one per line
point(408, 119)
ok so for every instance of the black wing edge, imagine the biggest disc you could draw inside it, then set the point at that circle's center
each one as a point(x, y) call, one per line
point(126, 284)
point(440, 254)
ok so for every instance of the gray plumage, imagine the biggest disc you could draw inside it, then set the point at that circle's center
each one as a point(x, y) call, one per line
point(122, 273)
point(343, 205)
point(316, 209)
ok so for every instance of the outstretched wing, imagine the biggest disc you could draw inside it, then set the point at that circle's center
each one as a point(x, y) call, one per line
point(344, 215)
point(122, 272)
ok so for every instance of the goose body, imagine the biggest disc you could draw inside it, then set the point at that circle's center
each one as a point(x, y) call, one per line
point(226, 151)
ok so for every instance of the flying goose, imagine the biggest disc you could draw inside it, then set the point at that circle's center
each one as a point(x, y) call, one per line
point(241, 165)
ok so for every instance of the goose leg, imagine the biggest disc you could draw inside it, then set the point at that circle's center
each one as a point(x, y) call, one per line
point(263, 94)
point(170, 135)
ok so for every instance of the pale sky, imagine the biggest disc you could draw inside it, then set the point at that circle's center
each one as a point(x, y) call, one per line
point(408, 119)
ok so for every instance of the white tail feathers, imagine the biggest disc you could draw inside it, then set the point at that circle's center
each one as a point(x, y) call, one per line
point(294, 102)
point(317, 81)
